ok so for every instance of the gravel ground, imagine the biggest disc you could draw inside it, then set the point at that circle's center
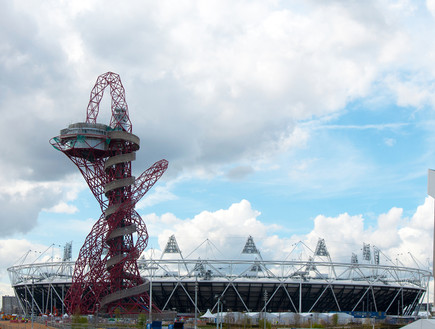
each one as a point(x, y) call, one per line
point(22, 325)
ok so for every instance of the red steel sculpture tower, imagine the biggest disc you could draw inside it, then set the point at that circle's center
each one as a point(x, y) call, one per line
point(106, 274)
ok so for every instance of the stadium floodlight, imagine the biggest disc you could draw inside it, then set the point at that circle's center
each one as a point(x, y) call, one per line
point(354, 259)
point(256, 267)
point(321, 248)
point(376, 255)
point(199, 268)
point(310, 265)
point(366, 252)
point(172, 246)
point(250, 247)
point(67, 252)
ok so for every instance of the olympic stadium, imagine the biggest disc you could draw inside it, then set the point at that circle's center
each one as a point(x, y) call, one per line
point(178, 283)
point(110, 275)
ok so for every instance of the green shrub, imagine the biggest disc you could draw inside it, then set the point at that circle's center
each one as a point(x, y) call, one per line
point(141, 320)
point(261, 324)
point(78, 321)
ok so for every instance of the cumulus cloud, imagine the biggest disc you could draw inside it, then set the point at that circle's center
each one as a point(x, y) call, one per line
point(393, 234)
point(223, 233)
point(23, 200)
point(63, 208)
point(240, 75)
point(210, 86)
point(227, 229)
point(239, 172)
point(431, 6)
point(17, 252)
point(156, 195)
point(6, 289)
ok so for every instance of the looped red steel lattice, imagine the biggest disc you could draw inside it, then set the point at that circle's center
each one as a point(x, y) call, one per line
point(117, 93)
point(106, 274)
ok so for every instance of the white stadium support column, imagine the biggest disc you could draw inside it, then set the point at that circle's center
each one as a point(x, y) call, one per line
point(431, 192)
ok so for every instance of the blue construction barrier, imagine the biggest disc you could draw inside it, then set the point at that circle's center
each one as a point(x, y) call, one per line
point(155, 325)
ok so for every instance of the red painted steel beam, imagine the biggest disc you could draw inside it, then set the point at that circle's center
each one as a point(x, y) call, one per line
point(106, 274)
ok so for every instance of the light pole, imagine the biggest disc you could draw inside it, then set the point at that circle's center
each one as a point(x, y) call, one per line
point(96, 317)
point(222, 319)
point(33, 283)
point(217, 312)
point(196, 301)
point(265, 305)
point(151, 299)
point(151, 269)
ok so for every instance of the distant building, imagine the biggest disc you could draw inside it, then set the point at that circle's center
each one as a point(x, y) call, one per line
point(423, 308)
point(10, 305)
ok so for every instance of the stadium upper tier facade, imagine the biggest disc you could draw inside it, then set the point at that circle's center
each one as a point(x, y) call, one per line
point(249, 285)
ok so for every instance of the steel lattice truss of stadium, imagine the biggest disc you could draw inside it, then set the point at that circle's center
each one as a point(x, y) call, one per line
point(316, 284)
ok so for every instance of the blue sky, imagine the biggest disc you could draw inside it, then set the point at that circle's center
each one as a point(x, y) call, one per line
point(285, 120)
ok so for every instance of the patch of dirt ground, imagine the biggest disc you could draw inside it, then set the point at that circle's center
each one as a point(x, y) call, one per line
point(23, 325)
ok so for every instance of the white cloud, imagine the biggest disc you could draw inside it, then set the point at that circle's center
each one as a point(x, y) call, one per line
point(210, 85)
point(389, 141)
point(431, 7)
point(36, 196)
point(239, 172)
point(221, 227)
point(62, 208)
point(17, 252)
point(158, 194)
point(228, 229)
point(344, 228)
point(416, 91)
